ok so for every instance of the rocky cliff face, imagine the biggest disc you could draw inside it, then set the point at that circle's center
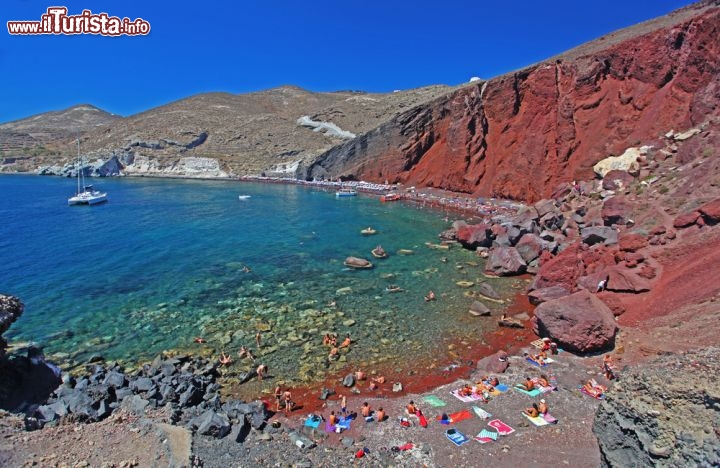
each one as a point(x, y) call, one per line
point(664, 413)
point(519, 135)
point(10, 310)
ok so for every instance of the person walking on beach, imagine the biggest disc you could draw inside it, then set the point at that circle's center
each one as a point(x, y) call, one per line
point(278, 398)
point(343, 404)
point(287, 399)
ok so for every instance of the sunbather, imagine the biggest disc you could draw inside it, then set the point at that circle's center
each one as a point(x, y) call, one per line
point(607, 367)
point(366, 411)
point(379, 415)
point(543, 381)
point(333, 419)
point(543, 407)
point(533, 411)
point(592, 388)
point(411, 409)
point(466, 390)
point(528, 385)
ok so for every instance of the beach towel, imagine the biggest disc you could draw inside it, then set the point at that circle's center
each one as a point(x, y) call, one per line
point(313, 421)
point(502, 428)
point(466, 399)
point(537, 420)
point(499, 390)
point(535, 363)
point(456, 437)
point(460, 416)
point(432, 400)
point(486, 436)
point(532, 393)
point(536, 381)
point(549, 418)
point(344, 422)
point(481, 413)
point(582, 390)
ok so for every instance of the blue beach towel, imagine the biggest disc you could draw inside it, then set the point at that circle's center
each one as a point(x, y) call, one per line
point(313, 421)
point(456, 437)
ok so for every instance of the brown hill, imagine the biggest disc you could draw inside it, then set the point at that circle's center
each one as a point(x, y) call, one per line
point(247, 134)
point(42, 134)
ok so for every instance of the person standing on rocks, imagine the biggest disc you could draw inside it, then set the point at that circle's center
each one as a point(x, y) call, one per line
point(261, 370)
point(278, 398)
point(287, 399)
point(258, 340)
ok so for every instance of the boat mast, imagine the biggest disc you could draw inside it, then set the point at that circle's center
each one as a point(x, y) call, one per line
point(78, 165)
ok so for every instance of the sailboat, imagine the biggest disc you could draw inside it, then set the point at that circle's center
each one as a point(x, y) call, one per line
point(86, 194)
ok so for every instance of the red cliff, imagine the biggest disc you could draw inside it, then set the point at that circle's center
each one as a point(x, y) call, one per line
point(519, 135)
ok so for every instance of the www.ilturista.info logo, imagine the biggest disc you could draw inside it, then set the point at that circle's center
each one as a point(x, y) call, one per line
point(57, 21)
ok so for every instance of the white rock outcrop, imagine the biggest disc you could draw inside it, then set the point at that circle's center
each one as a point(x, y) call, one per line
point(628, 161)
point(185, 167)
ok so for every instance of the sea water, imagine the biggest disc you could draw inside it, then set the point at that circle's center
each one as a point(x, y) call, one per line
point(165, 261)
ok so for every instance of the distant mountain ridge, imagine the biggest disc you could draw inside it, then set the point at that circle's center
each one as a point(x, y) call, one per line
point(515, 136)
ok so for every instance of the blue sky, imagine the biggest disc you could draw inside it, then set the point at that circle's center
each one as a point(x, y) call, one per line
point(241, 46)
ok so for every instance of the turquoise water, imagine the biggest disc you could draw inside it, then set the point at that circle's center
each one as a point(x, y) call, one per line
point(163, 261)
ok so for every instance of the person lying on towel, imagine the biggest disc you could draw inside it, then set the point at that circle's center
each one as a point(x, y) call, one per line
point(529, 385)
point(533, 411)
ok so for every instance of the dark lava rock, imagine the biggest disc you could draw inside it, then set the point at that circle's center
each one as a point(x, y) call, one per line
point(505, 261)
point(663, 413)
point(212, 424)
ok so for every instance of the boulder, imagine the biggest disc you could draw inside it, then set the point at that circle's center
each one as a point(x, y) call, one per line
point(711, 211)
point(624, 280)
point(526, 219)
point(541, 295)
point(529, 247)
point(472, 236)
point(505, 261)
point(477, 308)
point(496, 363)
point(10, 309)
point(114, 379)
point(544, 207)
point(564, 269)
point(632, 242)
point(599, 234)
point(579, 322)
point(617, 180)
point(135, 404)
point(212, 424)
point(615, 211)
point(686, 219)
point(488, 291)
point(349, 380)
point(628, 162)
point(356, 262)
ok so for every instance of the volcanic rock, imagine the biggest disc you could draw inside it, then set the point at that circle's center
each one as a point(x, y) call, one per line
point(541, 295)
point(632, 423)
point(505, 261)
point(10, 309)
point(632, 242)
point(529, 247)
point(614, 211)
point(579, 322)
point(686, 219)
point(596, 234)
point(475, 235)
point(617, 180)
point(496, 363)
point(711, 212)
point(624, 280)
point(477, 308)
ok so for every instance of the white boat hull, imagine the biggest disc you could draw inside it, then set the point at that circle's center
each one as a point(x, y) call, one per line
point(88, 198)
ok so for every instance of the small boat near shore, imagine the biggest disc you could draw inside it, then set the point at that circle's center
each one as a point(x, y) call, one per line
point(393, 288)
point(345, 192)
point(379, 252)
point(243, 197)
point(390, 197)
point(369, 231)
